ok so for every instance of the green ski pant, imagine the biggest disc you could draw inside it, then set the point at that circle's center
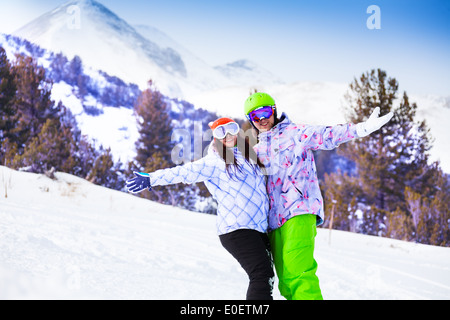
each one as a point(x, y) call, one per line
point(293, 254)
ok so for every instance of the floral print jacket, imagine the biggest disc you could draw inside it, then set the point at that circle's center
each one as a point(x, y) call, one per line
point(286, 151)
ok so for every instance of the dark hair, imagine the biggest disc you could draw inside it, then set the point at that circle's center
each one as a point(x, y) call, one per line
point(246, 150)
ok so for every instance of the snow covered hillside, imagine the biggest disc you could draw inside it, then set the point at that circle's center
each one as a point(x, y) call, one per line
point(101, 104)
point(135, 54)
point(68, 238)
point(102, 39)
point(105, 41)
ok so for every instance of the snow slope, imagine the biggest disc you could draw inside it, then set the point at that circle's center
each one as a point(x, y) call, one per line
point(70, 239)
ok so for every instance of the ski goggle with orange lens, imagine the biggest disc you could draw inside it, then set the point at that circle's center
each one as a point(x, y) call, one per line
point(261, 113)
point(221, 131)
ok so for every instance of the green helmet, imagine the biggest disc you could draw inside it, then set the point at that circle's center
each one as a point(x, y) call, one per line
point(256, 100)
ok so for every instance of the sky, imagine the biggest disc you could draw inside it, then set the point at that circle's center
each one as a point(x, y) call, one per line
point(319, 40)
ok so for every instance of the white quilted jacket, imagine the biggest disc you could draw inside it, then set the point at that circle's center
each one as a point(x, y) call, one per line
point(242, 198)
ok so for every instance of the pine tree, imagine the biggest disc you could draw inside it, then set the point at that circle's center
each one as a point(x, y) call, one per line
point(374, 153)
point(154, 125)
point(154, 149)
point(341, 191)
point(32, 100)
point(399, 225)
point(387, 161)
point(7, 107)
point(154, 144)
point(59, 145)
point(430, 215)
point(37, 134)
point(58, 68)
point(82, 149)
point(74, 70)
point(50, 148)
point(105, 172)
point(440, 210)
point(8, 153)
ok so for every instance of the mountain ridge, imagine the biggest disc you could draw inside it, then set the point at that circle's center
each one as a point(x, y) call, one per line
point(135, 54)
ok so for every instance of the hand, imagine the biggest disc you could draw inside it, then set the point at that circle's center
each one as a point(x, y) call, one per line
point(140, 183)
point(373, 123)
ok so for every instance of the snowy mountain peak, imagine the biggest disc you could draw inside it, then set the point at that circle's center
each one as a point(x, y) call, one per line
point(104, 41)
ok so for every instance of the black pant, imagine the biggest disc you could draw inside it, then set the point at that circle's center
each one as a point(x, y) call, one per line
point(252, 250)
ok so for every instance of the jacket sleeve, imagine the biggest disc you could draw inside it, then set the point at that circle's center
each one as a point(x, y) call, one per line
point(326, 137)
point(197, 171)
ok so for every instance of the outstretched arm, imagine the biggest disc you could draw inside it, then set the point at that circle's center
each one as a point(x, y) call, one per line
point(197, 171)
point(326, 137)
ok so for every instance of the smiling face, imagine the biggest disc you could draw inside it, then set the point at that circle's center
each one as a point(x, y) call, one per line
point(229, 141)
point(265, 124)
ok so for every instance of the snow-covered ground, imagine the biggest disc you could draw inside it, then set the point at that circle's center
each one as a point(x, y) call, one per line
point(70, 239)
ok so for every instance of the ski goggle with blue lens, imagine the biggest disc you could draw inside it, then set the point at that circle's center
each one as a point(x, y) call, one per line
point(221, 131)
point(261, 113)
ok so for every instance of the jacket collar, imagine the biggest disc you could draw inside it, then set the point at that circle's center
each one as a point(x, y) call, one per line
point(282, 123)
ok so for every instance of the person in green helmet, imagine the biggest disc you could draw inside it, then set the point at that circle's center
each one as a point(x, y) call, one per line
point(296, 203)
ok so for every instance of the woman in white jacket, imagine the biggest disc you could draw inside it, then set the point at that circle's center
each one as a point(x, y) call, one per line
point(235, 178)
